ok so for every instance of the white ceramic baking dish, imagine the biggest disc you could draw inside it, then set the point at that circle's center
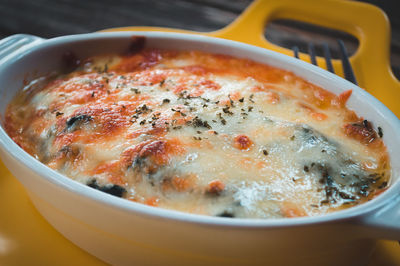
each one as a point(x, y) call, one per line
point(126, 233)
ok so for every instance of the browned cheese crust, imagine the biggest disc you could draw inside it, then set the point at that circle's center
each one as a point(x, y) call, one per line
point(202, 133)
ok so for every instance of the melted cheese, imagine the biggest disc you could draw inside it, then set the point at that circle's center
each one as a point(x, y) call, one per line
point(202, 133)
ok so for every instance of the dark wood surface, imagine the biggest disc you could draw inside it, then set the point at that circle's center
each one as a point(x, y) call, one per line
point(51, 18)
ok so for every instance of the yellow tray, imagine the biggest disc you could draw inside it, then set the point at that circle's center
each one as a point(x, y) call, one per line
point(27, 239)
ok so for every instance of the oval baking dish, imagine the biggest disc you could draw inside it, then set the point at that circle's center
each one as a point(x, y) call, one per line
point(122, 232)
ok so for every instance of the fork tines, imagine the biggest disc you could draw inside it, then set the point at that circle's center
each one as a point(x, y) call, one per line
point(347, 69)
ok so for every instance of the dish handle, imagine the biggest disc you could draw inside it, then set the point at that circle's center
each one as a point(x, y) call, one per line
point(13, 44)
point(384, 223)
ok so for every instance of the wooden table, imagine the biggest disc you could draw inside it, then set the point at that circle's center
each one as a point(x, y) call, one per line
point(51, 18)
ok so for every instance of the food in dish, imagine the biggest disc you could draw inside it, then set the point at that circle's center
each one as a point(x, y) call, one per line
point(201, 133)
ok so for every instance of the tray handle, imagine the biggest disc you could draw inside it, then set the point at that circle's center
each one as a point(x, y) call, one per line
point(366, 22)
point(383, 223)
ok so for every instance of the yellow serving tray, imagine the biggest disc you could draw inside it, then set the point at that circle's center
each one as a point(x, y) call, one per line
point(27, 239)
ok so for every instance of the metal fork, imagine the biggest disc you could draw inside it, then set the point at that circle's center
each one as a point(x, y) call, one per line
point(347, 69)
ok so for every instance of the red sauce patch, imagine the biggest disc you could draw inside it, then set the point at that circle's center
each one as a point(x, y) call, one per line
point(360, 131)
point(242, 142)
point(140, 61)
point(68, 153)
point(157, 131)
point(314, 114)
point(130, 153)
point(181, 183)
point(197, 70)
point(292, 210)
point(152, 201)
point(209, 84)
point(105, 167)
point(65, 139)
point(342, 98)
point(320, 98)
point(158, 151)
point(154, 148)
point(111, 117)
point(77, 92)
point(82, 83)
point(181, 87)
point(215, 187)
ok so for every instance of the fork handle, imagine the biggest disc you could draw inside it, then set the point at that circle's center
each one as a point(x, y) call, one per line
point(366, 22)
